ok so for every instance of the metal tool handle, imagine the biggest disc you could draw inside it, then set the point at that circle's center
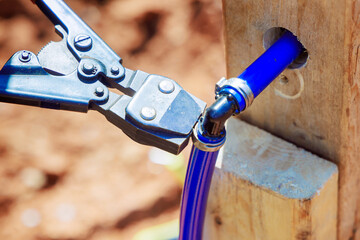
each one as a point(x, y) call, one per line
point(82, 40)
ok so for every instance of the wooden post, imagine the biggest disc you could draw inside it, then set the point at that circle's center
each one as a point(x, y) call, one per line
point(266, 188)
point(317, 107)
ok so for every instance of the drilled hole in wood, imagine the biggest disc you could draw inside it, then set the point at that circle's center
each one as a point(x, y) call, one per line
point(283, 80)
point(218, 220)
point(273, 34)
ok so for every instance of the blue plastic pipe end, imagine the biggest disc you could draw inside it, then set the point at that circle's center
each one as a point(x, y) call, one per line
point(250, 83)
point(273, 62)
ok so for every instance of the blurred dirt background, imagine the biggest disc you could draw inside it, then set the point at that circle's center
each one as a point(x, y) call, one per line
point(67, 175)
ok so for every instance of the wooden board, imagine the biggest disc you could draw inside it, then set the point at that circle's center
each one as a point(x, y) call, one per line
point(325, 117)
point(266, 188)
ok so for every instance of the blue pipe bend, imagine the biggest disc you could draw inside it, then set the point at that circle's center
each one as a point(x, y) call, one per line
point(202, 162)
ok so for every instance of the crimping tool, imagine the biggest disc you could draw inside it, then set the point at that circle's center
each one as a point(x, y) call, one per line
point(77, 72)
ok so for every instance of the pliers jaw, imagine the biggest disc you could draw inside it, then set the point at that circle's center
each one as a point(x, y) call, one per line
point(155, 116)
point(116, 114)
point(152, 109)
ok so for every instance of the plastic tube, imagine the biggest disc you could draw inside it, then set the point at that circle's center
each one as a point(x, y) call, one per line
point(202, 162)
point(272, 62)
point(266, 68)
point(195, 193)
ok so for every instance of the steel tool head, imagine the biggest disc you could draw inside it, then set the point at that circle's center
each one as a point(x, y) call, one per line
point(77, 73)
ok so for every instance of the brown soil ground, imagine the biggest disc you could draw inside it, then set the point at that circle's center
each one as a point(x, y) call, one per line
point(74, 175)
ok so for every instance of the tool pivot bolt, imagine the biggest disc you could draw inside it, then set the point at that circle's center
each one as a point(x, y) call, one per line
point(148, 113)
point(83, 42)
point(88, 68)
point(25, 56)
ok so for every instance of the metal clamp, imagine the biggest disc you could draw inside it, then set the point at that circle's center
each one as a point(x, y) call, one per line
point(240, 86)
point(210, 146)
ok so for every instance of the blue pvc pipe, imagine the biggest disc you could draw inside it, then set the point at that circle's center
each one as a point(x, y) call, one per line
point(201, 164)
point(272, 62)
point(195, 193)
point(268, 66)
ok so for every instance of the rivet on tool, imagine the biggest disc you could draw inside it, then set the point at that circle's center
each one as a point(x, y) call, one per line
point(88, 68)
point(83, 42)
point(25, 56)
point(166, 86)
point(99, 91)
point(115, 70)
point(148, 113)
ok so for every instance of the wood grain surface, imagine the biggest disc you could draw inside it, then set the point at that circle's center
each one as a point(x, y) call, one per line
point(325, 117)
point(266, 188)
